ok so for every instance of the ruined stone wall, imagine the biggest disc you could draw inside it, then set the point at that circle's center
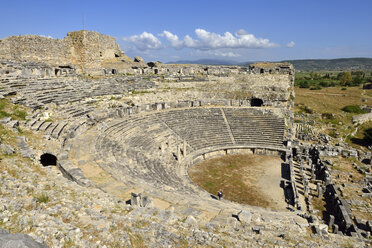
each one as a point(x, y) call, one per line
point(90, 49)
point(35, 48)
point(85, 50)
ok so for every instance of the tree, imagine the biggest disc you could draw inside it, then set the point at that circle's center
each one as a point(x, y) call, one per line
point(357, 80)
point(345, 78)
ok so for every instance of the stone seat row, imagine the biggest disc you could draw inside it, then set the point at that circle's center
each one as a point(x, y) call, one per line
point(151, 171)
point(131, 146)
point(36, 92)
point(55, 129)
point(203, 131)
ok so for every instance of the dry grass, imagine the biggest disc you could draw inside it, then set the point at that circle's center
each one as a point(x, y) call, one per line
point(137, 241)
point(345, 166)
point(333, 99)
point(343, 173)
point(318, 204)
point(236, 175)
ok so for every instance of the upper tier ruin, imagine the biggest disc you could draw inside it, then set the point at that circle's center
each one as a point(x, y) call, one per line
point(85, 51)
point(89, 52)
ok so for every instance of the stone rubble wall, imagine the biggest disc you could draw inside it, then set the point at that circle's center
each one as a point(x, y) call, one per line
point(359, 119)
point(35, 48)
point(338, 214)
point(84, 49)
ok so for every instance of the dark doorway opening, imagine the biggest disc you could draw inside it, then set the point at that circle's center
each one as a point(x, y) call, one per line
point(48, 159)
point(256, 102)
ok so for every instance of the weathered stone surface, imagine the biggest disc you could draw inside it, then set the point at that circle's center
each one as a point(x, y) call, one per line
point(5, 120)
point(18, 241)
point(138, 59)
point(245, 216)
point(6, 149)
point(191, 220)
point(82, 49)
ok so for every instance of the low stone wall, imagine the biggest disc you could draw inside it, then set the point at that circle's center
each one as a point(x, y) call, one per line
point(212, 152)
point(338, 210)
point(359, 119)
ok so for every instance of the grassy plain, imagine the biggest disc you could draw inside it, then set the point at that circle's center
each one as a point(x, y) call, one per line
point(323, 109)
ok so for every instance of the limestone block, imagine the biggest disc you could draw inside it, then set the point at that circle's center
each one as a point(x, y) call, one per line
point(245, 216)
point(146, 201)
point(18, 240)
point(232, 222)
point(6, 149)
point(135, 199)
point(5, 120)
point(191, 220)
point(323, 229)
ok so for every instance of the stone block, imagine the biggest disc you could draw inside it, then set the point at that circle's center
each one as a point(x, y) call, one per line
point(146, 201)
point(232, 222)
point(135, 199)
point(19, 240)
point(6, 149)
point(245, 217)
point(191, 220)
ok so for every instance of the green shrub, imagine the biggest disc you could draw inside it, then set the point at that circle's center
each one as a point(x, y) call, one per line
point(42, 197)
point(3, 114)
point(20, 114)
point(304, 84)
point(353, 109)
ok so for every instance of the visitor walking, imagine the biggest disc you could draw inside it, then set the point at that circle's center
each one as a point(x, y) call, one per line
point(219, 194)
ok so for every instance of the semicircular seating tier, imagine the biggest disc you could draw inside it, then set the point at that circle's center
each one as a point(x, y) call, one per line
point(146, 149)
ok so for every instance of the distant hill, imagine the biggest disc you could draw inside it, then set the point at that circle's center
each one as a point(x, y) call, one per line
point(346, 64)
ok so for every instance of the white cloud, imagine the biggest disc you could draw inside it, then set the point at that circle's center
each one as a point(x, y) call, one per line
point(291, 44)
point(208, 40)
point(144, 41)
point(190, 42)
point(217, 53)
point(226, 54)
point(172, 38)
point(240, 32)
point(204, 40)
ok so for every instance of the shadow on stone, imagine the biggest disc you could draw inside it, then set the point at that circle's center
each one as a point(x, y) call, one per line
point(48, 159)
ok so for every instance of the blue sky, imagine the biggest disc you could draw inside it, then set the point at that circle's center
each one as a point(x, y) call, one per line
point(239, 30)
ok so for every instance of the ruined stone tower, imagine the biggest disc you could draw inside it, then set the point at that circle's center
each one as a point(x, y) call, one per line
point(83, 50)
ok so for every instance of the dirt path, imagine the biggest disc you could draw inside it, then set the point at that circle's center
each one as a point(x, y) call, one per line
point(269, 183)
